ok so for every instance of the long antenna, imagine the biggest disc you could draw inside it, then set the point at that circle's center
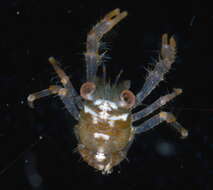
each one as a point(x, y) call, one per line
point(118, 77)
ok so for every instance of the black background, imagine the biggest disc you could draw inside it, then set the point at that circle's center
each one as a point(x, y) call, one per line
point(41, 141)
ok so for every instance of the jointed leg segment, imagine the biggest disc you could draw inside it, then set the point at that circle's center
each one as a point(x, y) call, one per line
point(68, 95)
point(63, 77)
point(159, 118)
point(37, 95)
point(61, 92)
point(156, 105)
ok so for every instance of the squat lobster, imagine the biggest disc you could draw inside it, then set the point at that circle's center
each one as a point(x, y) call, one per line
point(105, 128)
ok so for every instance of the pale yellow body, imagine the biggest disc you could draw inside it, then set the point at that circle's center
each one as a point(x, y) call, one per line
point(101, 138)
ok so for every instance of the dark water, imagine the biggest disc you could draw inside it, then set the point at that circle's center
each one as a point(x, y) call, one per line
point(37, 146)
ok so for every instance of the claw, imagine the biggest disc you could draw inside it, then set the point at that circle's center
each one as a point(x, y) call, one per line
point(171, 42)
point(168, 49)
point(114, 17)
point(52, 60)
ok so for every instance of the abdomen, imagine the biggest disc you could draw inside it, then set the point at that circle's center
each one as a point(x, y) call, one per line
point(101, 145)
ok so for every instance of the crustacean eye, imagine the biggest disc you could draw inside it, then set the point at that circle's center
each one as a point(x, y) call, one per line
point(87, 90)
point(127, 99)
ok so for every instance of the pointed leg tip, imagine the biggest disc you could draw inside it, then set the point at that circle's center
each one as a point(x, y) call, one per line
point(52, 60)
point(178, 91)
point(30, 100)
point(124, 14)
point(184, 133)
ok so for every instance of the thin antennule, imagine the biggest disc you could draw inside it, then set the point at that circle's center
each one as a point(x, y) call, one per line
point(118, 77)
point(104, 77)
point(104, 72)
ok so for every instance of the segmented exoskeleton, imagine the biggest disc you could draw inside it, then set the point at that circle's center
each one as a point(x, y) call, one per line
point(105, 128)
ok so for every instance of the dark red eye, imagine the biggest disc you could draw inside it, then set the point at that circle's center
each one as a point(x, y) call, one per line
point(87, 90)
point(128, 98)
